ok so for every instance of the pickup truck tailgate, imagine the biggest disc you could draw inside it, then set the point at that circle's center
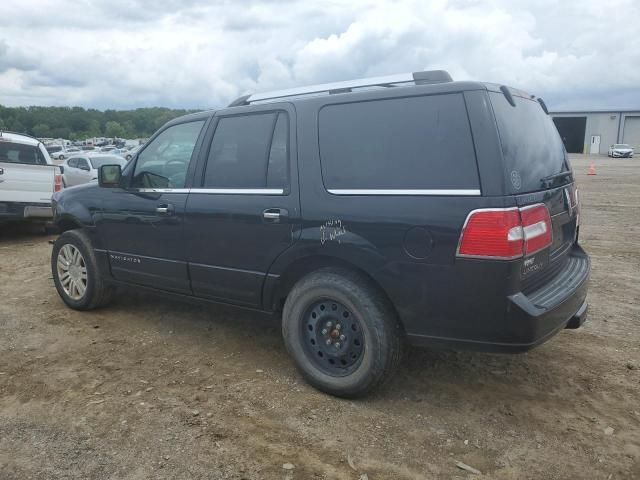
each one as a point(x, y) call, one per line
point(22, 183)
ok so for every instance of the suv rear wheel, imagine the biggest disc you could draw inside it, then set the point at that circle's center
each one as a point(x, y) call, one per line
point(342, 333)
point(76, 273)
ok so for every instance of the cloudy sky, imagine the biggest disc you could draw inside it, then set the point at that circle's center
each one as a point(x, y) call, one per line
point(204, 53)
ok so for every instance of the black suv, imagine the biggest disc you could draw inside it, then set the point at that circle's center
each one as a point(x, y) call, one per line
point(369, 213)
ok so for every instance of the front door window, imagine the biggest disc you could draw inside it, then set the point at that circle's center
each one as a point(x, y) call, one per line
point(164, 162)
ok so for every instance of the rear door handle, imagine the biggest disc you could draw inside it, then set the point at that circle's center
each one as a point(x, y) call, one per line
point(165, 209)
point(275, 214)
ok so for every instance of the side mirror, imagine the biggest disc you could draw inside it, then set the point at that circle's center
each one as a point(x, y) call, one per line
point(109, 176)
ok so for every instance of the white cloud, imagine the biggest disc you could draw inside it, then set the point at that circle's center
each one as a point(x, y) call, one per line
point(198, 53)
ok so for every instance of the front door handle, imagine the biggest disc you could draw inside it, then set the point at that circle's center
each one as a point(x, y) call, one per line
point(275, 214)
point(165, 209)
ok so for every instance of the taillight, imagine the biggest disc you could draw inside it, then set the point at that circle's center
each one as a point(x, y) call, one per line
point(536, 226)
point(505, 233)
point(57, 182)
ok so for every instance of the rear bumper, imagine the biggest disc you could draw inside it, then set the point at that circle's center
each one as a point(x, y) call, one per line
point(17, 210)
point(531, 318)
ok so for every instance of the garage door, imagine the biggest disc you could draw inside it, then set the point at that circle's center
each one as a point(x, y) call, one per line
point(631, 132)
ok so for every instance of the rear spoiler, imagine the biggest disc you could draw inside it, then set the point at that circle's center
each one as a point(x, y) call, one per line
point(507, 94)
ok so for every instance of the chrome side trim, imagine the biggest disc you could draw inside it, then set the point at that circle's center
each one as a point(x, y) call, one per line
point(163, 190)
point(229, 191)
point(366, 191)
point(240, 191)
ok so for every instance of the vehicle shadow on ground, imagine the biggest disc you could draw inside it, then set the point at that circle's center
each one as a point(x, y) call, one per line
point(22, 231)
point(454, 374)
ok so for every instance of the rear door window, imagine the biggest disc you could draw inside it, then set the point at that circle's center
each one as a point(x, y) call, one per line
point(82, 164)
point(532, 149)
point(414, 143)
point(249, 152)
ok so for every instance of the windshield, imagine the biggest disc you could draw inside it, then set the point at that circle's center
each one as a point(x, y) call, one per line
point(621, 145)
point(531, 146)
point(99, 161)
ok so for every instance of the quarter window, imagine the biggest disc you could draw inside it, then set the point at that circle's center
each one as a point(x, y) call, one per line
point(414, 143)
point(249, 151)
point(165, 160)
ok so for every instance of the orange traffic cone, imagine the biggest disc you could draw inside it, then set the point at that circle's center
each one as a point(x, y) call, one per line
point(592, 170)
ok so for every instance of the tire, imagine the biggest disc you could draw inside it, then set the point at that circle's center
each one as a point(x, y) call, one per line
point(95, 293)
point(354, 307)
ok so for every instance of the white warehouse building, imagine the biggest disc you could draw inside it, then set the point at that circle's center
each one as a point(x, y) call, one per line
point(595, 131)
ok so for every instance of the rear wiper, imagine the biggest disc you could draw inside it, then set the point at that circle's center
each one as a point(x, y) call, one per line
point(549, 178)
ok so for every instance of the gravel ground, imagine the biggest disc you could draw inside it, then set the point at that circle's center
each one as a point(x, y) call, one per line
point(154, 388)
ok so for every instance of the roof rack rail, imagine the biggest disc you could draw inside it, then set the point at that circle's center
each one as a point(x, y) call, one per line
point(418, 78)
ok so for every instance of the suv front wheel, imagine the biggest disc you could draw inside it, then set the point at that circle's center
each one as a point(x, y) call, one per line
point(76, 273)
point(342, 333)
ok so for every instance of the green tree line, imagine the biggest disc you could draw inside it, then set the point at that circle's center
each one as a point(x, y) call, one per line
point(77, 123)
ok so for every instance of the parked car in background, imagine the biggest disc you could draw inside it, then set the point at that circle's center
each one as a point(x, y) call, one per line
point(621, 150)
point(429, 212)
point(129, 154)
point(55, 151)
point(84, 168)
point(28, 178)
point(118, 151)
point(108, 148)
point(63, 153)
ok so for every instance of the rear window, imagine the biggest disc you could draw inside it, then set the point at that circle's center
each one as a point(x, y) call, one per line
point(416, 143)
point(531, 146)
point(19, 153)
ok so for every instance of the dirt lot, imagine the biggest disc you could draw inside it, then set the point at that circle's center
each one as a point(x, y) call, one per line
point(153, 388)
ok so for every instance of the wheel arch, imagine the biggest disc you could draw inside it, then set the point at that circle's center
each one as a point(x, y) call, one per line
point(66, 223)
point(277, 293)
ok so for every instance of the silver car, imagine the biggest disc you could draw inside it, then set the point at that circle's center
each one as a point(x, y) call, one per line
point(621, 150)
point(84, 168)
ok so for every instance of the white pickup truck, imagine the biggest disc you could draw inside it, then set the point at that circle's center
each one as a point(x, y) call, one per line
point(28, 178)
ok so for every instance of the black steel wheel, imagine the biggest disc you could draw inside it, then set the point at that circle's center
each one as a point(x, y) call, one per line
point(333, 337)
point(342, 332)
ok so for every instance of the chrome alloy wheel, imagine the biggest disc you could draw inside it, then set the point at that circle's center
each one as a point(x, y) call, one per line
point(72, 271)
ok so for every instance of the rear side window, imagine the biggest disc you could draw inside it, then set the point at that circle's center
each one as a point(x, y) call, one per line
point(421, 143)
point(73, 162)
point(249, 151)
point(531, 146)
point(19, 153)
